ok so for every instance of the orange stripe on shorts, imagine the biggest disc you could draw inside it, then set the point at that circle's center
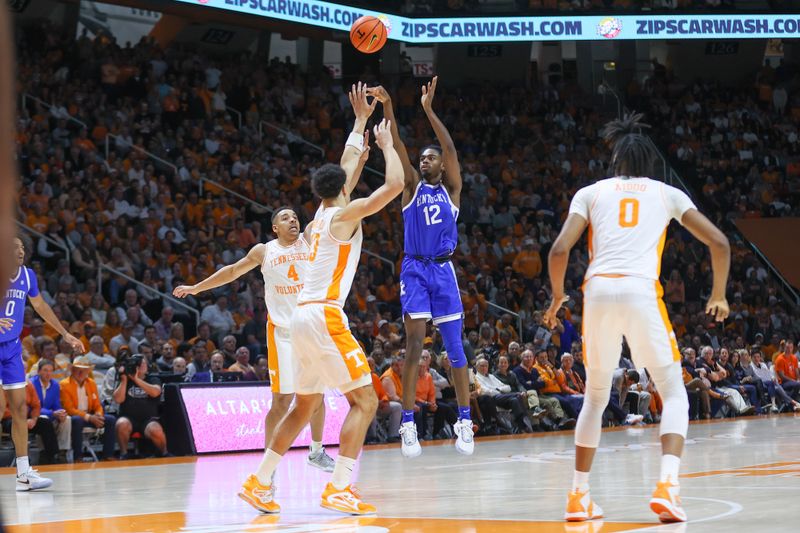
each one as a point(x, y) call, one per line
point(662, 309)
point(272, 358)
point(352, 354)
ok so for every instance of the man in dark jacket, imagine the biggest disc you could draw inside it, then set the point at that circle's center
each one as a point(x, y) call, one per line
point(529, 378)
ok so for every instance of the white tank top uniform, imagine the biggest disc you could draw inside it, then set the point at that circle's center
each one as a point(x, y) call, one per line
point(628, 220)
point(328, 354)
point(283, 269)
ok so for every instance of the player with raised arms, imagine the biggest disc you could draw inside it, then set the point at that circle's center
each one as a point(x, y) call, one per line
point(627, 217)
point(22, 287)
point(428, 285)
point(283, 264)
point(327, 352)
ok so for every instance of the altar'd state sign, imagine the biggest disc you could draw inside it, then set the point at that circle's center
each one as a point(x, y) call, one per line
point(232, 418)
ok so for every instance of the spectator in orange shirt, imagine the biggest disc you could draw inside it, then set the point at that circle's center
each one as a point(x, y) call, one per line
point(426, 398)
point(528, 262)
point(475, 307)
point(243, 236)
point(572, 386)
point(551, 388)
point(387, 409)
point(504, 324)
point(392, 381)
point(389, 293)
point(81, 401)
point(786, 369)
point(223, 213)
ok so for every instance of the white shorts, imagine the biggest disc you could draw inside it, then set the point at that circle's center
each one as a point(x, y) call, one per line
point(280, 359)
point(632, 307)
point(327, 354)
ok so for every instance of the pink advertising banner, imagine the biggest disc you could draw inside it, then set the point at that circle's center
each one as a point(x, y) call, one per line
point(227, 419)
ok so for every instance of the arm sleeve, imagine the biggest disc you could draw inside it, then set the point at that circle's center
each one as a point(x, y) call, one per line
point(677, 202)
point(582, 201)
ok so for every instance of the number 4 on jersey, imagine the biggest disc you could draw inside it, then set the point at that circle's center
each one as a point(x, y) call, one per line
point(293, 274)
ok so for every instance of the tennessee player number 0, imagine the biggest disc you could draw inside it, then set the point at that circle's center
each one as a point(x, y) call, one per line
point(628, 212)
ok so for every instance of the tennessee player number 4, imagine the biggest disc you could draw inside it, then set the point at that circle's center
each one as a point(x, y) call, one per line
point(292, 274)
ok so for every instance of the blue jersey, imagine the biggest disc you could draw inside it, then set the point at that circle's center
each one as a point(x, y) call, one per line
point(429, 222)
point(24, 284)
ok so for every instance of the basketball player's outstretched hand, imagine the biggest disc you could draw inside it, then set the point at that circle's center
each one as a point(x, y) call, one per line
point(383, 134)
point(428, 90)
point(6, 324)
point(75, 343)
point(358, 99)
point(550, 318)
point(182, 291)
point(380, 94)
point(718, 309)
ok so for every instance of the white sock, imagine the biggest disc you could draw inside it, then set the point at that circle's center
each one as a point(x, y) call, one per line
point(315, 447)
point(267, 467)
point(580, 481)
point(342, 472)
point(670, 465)
point(23, 465)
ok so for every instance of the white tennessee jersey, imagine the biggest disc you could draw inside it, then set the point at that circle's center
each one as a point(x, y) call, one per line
point(628, 219)
point(284, 269)
point(331, 264)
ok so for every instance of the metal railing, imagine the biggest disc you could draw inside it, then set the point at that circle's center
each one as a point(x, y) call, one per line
point(160, 294)
point(41, 235)
point(504, 310)
point(238, 115)
point(380, 258)
point(787, 287)
point(671, 177)
point(308, 143)
point(151, 155)
point(26, 97)
point(200, 181)
point(290, 137)
point(258, 206)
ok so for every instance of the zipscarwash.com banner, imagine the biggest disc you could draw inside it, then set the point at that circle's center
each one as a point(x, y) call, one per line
point(498, 29)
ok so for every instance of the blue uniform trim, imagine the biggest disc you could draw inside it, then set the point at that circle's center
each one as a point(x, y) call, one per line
point(12, 369)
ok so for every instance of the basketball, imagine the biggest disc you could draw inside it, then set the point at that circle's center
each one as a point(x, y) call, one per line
point(368, 34)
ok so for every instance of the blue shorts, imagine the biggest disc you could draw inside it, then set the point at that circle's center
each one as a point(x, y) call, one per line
point(12, 369)
point(430, 290)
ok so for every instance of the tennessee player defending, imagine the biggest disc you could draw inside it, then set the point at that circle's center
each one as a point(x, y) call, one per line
point(428, 284)
point(327, 353)
point(627, 217)
point(283, 264)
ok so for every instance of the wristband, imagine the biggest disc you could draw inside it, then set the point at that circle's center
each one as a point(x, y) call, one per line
point(356, 141)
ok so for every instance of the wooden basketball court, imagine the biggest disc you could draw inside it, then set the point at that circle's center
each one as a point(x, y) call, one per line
point(737, 475)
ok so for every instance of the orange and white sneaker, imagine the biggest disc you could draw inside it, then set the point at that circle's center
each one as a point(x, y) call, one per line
point(580, 507)
point(347, 500)
point(666, 502)
point(261, 497)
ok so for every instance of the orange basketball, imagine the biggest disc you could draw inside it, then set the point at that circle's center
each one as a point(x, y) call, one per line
point(368, 34)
